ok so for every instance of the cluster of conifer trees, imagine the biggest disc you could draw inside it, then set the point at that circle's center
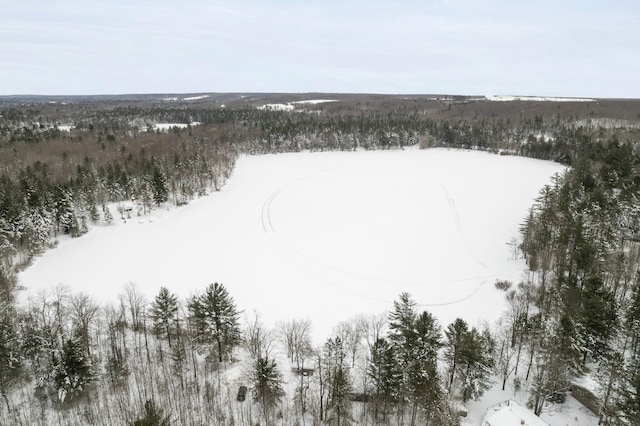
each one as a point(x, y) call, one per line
point(69, 360)
point(581, 243)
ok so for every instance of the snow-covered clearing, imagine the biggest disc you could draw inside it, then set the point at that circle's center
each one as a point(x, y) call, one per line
point(315, 101)
point(509, 98)
point(276, 107)
point(323, 236)
point(290, 106)
point(165, 127)
point(195, 98)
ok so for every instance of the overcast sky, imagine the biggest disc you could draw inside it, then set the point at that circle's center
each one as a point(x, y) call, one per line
point(482, 47)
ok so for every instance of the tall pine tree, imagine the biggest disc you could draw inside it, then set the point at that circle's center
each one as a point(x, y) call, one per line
point(164, 312)
point(216, 320)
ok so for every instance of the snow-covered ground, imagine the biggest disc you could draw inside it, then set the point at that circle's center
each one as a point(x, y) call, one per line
point(571, 413)
point(195, 98)
point(508, 98)
point(315, 101)
point(276, 107)
point(290, 106)
point(323, 236)
point(165, 127)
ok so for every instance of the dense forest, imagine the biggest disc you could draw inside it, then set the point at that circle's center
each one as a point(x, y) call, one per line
point(64, 164)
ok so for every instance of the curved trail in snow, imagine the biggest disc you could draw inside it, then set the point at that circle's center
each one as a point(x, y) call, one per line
point(456, 219)
point(290, 251)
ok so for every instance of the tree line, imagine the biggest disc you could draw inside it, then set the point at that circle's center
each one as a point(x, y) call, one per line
point(65, 359)
point(578, 310)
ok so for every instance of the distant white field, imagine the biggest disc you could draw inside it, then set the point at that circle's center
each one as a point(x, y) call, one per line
point(290, 106)
point(324, 236)
point(536, 98)
point(165, 127)
point(277, 107)
point(195, 98)
point(315, 101)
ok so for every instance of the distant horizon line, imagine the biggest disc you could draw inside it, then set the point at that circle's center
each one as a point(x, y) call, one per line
point(201, 93)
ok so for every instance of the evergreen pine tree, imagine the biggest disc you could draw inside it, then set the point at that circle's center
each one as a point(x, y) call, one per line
point(454, 348)
point(216, 320)
point(108, 217)
point(72, 371)
point(153, 416)
point(423, 380)
point(417, 340)
point(164, 311)
point(10, 358)
point(597, 320)
point(63, 213)
point(477, 363)
point(267, 385)
point(402, 319)
point(338, 380)
point(386, 378)
point(159, 186)
point(631, 398)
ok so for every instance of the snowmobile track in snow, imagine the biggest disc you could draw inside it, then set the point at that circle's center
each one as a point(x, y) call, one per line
point(309, 263)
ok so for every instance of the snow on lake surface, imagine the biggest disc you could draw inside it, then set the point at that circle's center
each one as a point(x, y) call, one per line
point(324, 236)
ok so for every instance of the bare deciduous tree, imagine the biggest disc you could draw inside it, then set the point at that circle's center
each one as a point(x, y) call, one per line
point(296, 337)
point(258, 340)
point(352, 332)
point(83, 310)
point(135, 303)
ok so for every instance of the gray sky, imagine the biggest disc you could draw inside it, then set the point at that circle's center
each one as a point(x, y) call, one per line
point(542, 47)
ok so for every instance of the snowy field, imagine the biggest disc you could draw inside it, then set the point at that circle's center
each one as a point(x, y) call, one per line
point(509, 98)
point(165, 127)
point(323, 236)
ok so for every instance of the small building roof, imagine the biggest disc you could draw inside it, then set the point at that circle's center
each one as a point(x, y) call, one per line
point(513, 415)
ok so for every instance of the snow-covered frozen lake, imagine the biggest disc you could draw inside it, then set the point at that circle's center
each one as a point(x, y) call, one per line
point(324, 236)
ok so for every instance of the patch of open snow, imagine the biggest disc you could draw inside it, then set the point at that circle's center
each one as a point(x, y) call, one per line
point(545, 136)
point(509, 98)
point(195, 98)
point(511, 413)
point(571, 412)
point(315, 101)
point(277, 107)
point(165, 127)
point(47, 126)
point(324, 236)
